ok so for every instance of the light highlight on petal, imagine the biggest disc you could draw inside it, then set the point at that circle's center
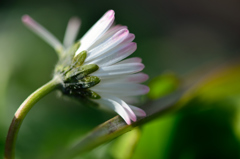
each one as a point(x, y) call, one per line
point(138, 111)
point(116, 39)
point(123, 104)
point(113, 105)
point(107, 35)
point(119, 69)
point(115, 55)
point(122, 89)
point(133, 78)
point(97, 30)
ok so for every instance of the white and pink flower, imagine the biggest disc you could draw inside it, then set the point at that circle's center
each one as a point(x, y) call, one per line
point(107, 46)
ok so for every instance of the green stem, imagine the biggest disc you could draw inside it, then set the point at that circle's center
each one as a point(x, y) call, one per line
point(21, 113)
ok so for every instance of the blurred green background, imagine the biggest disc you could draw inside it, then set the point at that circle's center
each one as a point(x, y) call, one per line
point(172, 35)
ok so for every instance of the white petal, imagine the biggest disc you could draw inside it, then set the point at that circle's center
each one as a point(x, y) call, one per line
point(115, 55)
point(116, 107)
point(131, 60)
point(130, 99)
point(121, 89)
point(123, 104)
point(138, 111)
point(116, 39)
point(42, 32)
point(97, 30)
point(107, 35)
point(128, 39)
point(133, 78)
point(137, 78)
point(71, 31)
point(119, 69)
point(113, 30)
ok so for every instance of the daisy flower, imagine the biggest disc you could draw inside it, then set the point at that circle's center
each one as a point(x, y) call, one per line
point(94, 68)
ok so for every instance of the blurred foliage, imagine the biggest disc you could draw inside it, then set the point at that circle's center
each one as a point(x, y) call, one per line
point(223, 84)
point(163, 85)
point(205, 130)
point(125, 145)
point(171, 35)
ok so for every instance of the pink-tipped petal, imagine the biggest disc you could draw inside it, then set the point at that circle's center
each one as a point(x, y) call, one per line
point(41, 32)
point(123, 104)
point(96, 31)
point(137, 78)
point(111, 104)
point(114, 29)
point(115, 55)
point(26, 19)
point(129, 39)
point(138, 111)
point(109, 14)
point(107, 35)
point(116, 39)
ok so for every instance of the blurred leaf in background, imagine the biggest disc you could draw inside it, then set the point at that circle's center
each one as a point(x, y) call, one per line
point(163, 85)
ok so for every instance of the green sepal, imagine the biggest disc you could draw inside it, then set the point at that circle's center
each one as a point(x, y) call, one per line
point(91, 79)
point(81, 92)
point(81, 72)
point(81, 97)
point(86, 70)
point(80, 58)
point(75, 92)
point(86, 82)
point(90, 68)
point(91, 94)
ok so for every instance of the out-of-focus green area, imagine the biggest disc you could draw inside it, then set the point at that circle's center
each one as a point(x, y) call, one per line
point(179, 36)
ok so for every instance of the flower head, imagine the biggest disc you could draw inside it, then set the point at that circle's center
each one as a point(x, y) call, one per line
point(95, 67)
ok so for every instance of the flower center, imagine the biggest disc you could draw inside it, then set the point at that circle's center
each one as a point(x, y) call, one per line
point(76, 78)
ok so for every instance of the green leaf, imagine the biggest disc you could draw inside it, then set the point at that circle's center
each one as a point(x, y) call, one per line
point(125, 145)
point(163, 85)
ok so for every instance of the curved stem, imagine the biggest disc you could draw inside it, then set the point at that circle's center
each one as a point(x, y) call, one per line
point(21, 113)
